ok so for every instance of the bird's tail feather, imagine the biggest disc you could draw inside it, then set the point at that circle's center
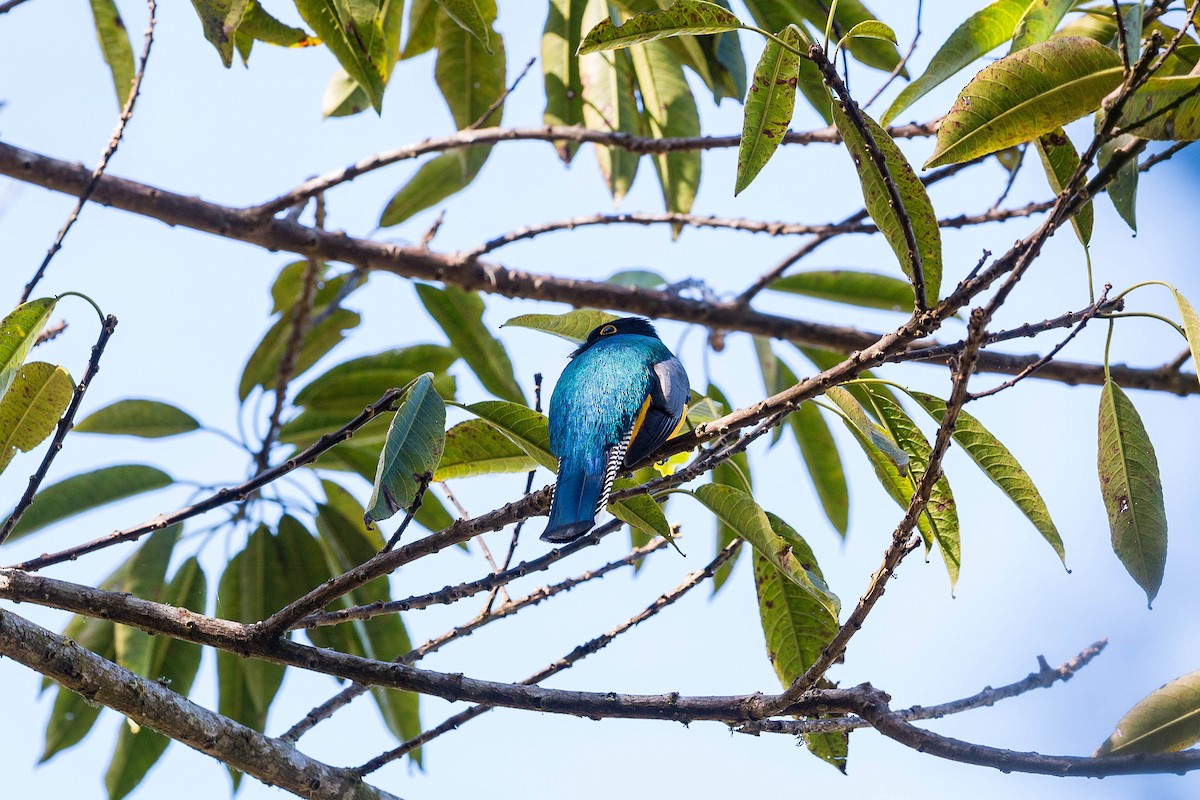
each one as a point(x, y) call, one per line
point(574, 505)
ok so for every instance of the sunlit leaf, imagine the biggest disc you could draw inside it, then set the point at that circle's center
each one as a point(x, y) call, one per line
point(733, 471)
point(1165, 721)
point(259, 26)
point(560, 69)
point(683, 17)
point(640, 512)
point(84, 492)
point(358, 36)
point(855, 413)
point(1132, 490)
point(475, 447)
point(868, 29)
point(220, 19)
point(609, 104)
point(999, 464)
point(1040, 20)
point(31, 407)
point(1181, 123)
point(528, 429)
point(1191, 327)
point(149, 419)
point(343, 96)
point(114, 46)
point(18, 331)
point(1060, 160)
point(1023, 95)
point(981, 33)
point(422, 28)
point(917, 208)
point(468, 16)
point(413, 448)
point(769, 105)
point(849, 286)
point(739, 511)
point(460, 315)
point(574, 326)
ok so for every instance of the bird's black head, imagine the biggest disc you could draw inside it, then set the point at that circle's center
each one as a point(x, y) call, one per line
point(639, 326)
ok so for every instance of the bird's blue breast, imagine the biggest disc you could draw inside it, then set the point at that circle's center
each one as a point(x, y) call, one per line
point(598, 396)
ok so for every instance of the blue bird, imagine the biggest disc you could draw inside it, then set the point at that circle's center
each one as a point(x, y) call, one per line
point(620, 398)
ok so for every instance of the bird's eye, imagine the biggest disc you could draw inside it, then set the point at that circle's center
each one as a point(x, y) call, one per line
point(608, 330)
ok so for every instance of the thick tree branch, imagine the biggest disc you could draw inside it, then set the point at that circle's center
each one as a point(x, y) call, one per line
point(149, 703)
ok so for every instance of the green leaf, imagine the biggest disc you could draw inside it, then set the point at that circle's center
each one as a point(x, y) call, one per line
point(1060, 160)
point(669, 111)
point(769, 106)
point(172, 662)
point(144, 575)
point(642, 513)
point(1191, 327)
point(476, 447)
point(259, 26)
point(683, 17)
point(609, 104)
point(1040, 20)
point(733, 471)
point(1132, 490)
point(30, 409)
point(460, 315)
point(855, 288)
point(72, 717)
point(912, 193)
point(1025, 94)
point(150, 419)
point(881, 55)
point(437, 179)
point(1165, 721)
point(868, 29)
point(574, 326)
point(289, 286)
point(1180, 124)
point(467, 15)
point(352, 385)
point(981, 33)
point(343, 96)
point(739, 511)
point(220, 19)
point(357, 36)
point(528, 429)
point(638, 278)
point(470, 74)
point(856, 416)
point(90, 490)
point(422, 28)
point(115, 47)
point(413, 448)
point(18, 331)
point(723, 69)
point(999, 464)
point(796, 628)
point(1122, 191)
point(825, 360)
point(560, 69)
point(941, 510)
point(262, 369)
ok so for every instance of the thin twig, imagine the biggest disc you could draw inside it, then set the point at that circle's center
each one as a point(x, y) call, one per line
point(1012, 177)
point(50, 332)
point(566, 662)
point(135, 89)
point(499, 101)
point(10, 5)
point(64, 427)
point(896, 70)
point(422, 485)
point(232, 494)
point(483, 545)
point(343, 698)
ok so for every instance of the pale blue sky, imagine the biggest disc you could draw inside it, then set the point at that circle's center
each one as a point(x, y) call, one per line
point(193, 306)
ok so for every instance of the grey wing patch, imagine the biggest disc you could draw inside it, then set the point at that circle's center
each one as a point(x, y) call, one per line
point(671, 387)
point(668, 397)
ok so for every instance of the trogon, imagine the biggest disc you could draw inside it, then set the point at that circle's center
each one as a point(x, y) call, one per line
point(621, 396)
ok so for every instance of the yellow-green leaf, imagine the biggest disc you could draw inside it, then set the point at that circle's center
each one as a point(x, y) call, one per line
point(1164, 721)
point(476, 447)
point(1060, 160)
point(18, 331)
point(1181, 123)
point(30, 409)
point(574, 326)
point(150, 419)
point(1191, 327)
point(855, 288)
point(114, 46)
point(1132, 490)
point(1040, 20)
point(528, 429)
point(683, 17)
point(769, 105)
point(355, 33)
point(609, 104)
point(1025, 94)
point(413, 448)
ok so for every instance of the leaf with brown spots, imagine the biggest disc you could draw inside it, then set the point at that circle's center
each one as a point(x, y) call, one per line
point(684, 17)
point(769, 105)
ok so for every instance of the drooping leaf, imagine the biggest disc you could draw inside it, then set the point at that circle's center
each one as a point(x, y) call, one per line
point(18, 331)
point(262, 368)
point(150, 419)
point(733, 471)
point(641, 513)
point(827, 359)
point(528, 429)
point(769, 106)
point(1132, 490)
point(470, 76)
point(856, 288)
point(1025, 94)
point(873, 52)
point(868, 29)
point(999, 464)
point(413, 448)
point(1122, 191)
point(941, 509)
point(350, 386)
point(683, 17)
point(981, 33)
point(422, 28)
point(259, 26)
point(1181, 123)
point(460, 315)
point(114, 46)
point(343, 96)
point(1165, 721)
point(855, 413)
point(476, 447)
point(468, 16)
point(1060, 160)
point(609, 104)
point(143, 575)
point(739, 511)
point(31, 408)
point(71, 716)
point(796, 628)
point(440, 177)
point(220, 20)
point(638, 278)
point(723, 69)
point(560, 69)
point(174, 663)
point(917, 208)
point(820, 454)
point(90, 490)
point(289, 286)
point(574, 326)
point(358, 37)
point(1191, 327)
point(1040, 20)
point(669, 111)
